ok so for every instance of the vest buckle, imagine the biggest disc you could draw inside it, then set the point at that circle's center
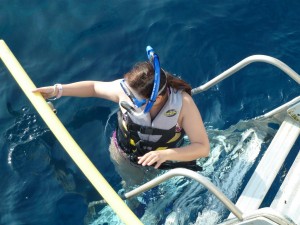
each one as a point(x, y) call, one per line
point(146, 130)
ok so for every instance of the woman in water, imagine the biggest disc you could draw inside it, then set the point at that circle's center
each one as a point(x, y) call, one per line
point(156, 111)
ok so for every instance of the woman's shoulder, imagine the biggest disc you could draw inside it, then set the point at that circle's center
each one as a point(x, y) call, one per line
point(186, 96)
point(188, 103)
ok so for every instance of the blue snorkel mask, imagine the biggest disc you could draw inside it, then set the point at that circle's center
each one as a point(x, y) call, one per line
point(137, 102)
point(153, 58)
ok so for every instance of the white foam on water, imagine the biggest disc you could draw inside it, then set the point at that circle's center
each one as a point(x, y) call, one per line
point(106, 216)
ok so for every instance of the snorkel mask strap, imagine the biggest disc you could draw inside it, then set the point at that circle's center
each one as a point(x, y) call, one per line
point(153, 58)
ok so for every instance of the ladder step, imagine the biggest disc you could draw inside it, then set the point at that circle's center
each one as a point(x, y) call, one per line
point(287, 199)
point(268, 167)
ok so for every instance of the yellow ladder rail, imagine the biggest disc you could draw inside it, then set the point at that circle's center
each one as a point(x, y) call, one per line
point(65, 139)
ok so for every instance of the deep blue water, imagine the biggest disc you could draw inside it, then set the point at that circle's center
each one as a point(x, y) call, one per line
point(67, 41)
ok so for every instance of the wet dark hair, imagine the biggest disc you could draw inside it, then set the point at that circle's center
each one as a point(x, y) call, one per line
point(141, 79)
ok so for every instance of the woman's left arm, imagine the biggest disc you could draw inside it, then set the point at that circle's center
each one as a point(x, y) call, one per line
point(192, 123)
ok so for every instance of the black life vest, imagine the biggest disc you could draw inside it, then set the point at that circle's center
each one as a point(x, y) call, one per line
point(129, 140)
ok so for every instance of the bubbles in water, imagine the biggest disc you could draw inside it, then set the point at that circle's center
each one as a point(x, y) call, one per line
point(26, 149)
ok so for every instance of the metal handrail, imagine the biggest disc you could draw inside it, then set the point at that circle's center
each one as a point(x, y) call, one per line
point(268, 213)
point(191, 174)
point(280, 109)
point(254, 58)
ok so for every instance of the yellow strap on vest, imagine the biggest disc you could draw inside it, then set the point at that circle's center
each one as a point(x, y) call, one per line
point(66, 140)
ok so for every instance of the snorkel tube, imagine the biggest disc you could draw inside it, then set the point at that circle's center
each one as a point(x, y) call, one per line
point(153, 58)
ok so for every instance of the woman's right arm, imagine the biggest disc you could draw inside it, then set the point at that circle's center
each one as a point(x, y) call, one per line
point(107, 90)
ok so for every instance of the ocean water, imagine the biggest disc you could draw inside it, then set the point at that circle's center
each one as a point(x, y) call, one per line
point(68, 41)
